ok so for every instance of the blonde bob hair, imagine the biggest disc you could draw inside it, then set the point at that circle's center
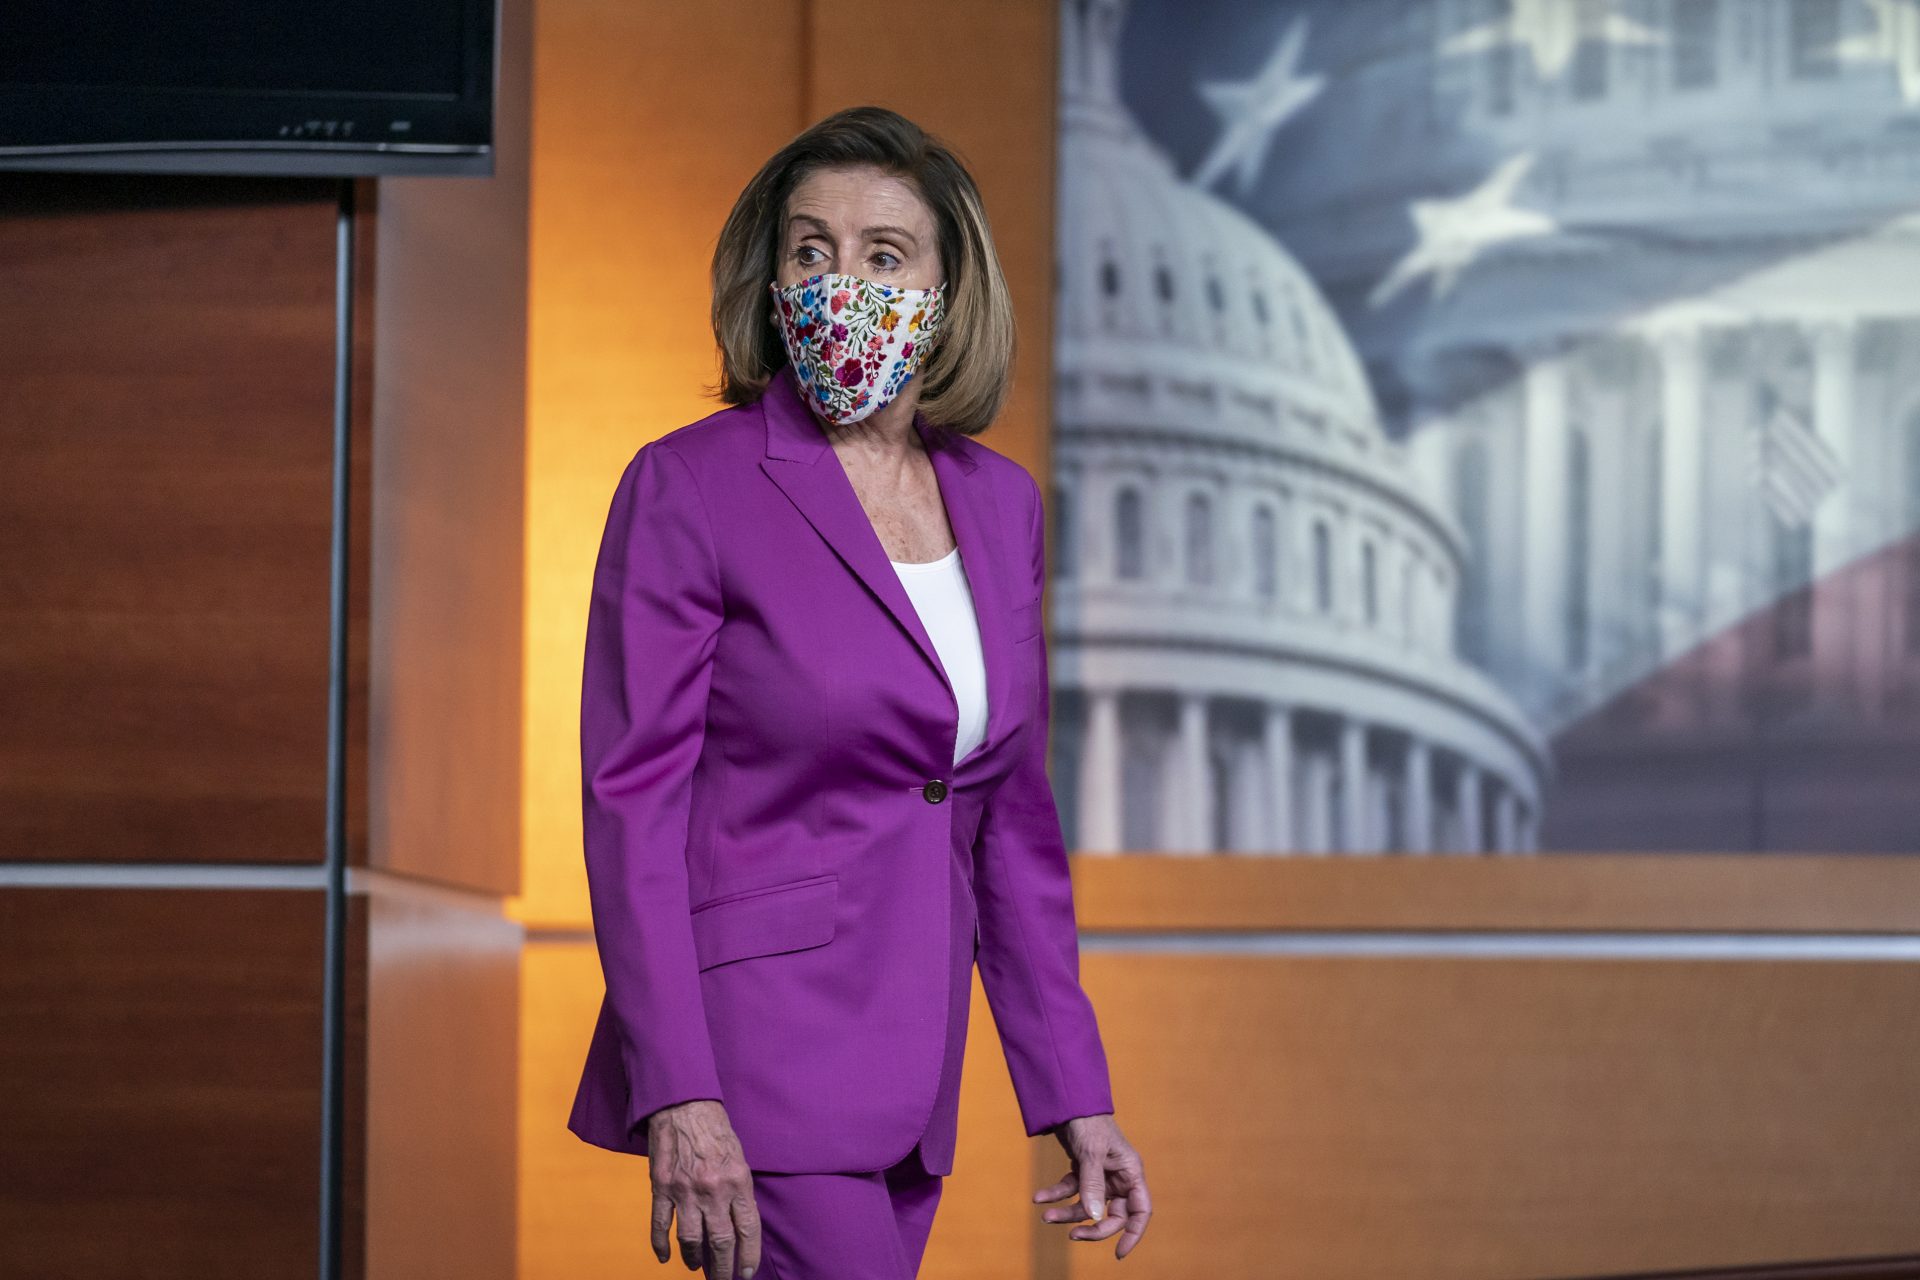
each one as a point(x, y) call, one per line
point(968, 369)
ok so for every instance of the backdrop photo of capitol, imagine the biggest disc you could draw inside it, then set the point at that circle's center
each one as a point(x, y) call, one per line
point(1487, 427)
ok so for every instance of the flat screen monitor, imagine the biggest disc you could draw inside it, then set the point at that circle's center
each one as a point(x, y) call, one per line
point(347, 87)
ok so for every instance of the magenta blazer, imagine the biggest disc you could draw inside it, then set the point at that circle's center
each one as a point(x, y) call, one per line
point(772, 806)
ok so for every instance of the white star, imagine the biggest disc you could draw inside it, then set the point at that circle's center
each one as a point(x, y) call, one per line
point(1252, 110)
point(1452, 233)
point(1892, 41)
point(1552, 30)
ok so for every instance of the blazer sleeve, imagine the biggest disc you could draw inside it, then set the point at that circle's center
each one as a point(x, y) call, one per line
point(652, 625)
point(1029, 956)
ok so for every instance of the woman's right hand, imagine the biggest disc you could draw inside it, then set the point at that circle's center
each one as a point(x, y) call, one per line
point(699, 1172)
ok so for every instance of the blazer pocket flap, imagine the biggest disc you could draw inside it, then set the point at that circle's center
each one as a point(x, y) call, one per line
point(764, 922)
point(1026, 620)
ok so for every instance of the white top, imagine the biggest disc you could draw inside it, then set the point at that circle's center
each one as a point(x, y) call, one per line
point(944, 601)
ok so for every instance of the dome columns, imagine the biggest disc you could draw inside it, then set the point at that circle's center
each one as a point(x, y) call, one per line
point(1682, 462)
point(1191, 795)
point(1276, 732)
point(1305, 781)
point(1354, 836)
point(1543, 540)
point(1419, 796)
point(1466, 806)
point(1098, 819)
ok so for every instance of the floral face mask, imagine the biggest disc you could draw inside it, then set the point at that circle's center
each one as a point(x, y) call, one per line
point(853, 342)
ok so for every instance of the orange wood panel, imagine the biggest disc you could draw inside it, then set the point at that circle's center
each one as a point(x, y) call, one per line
point(982, 76)
point(442, 1073)
point(1493, 1118)
point(1837, 893)
point(650, 120)
point(583, 1210)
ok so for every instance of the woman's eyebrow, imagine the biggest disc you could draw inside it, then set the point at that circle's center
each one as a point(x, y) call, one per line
point(870, 233)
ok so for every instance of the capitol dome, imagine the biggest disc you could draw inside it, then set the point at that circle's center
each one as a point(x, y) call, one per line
point(1182, 281)
point(1254, 594)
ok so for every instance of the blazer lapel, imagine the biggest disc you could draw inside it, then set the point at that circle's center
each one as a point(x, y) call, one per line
point(800, 460)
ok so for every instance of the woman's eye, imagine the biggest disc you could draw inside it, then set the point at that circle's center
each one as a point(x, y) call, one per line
point(892, 263)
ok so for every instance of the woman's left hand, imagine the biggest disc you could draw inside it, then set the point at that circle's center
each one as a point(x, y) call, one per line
point(1108, 1176)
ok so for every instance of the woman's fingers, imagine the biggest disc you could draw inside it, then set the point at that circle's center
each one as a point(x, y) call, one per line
point(1110, 1225)
point(1139, 1209)
point(693, 1234)
point(730, 1222)
point(662, 1221)
point(1113, 1193)
point(700, 1177)
point(1059, 1190)
point(1091, 1165)
point(746, 1225)
point(721, 1241)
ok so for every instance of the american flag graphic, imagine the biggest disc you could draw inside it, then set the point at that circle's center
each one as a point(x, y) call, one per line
point(1636, 287)
point(1793, 467)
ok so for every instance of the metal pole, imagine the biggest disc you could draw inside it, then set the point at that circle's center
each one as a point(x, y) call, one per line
point(333, 1025)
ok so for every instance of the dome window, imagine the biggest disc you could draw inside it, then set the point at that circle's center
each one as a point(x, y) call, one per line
point(1163, 280)
point(1370, 582)
point(1814, 37)
point(1266, 557)
point(1110, 278)
point(1199, 539)
point(1215, 296)
point(1322, 567)
point(1300, 334)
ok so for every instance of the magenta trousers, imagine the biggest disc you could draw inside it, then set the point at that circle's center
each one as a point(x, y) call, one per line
point(871, 1225)
point(845, 1226)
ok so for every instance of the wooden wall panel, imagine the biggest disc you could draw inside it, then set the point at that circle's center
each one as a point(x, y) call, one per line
point(160, 1081)
point(449, 408)
point(1790, 893)
point(583, 1210)
point(651, 119)
point(983, 77)
point(166, 413)
point(442, 1071)
point(1485, 1118)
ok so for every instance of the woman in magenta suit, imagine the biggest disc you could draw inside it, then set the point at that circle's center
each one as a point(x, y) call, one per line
point(814, 742)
